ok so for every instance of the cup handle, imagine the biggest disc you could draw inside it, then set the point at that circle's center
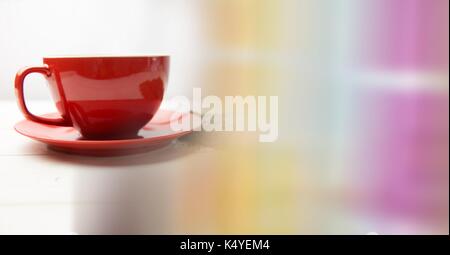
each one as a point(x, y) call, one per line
point(20, 77)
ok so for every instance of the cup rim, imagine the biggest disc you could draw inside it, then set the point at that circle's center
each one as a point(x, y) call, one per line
point(103, 56)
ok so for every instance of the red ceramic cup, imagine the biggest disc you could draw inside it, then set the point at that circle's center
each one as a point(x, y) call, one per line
point(102, 97)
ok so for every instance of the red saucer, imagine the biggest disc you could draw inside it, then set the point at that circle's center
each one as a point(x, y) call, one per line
point(156, 134)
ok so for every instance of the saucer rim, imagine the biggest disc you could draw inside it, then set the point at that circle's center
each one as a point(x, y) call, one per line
point(96, 142)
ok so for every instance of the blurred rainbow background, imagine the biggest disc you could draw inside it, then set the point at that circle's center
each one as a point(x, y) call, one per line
point(364, 130)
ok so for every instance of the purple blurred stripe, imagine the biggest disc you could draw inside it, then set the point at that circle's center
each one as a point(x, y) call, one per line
point(407, 34)
point(409, 153)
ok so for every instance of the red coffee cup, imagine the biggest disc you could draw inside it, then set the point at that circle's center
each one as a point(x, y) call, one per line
point(102, 97)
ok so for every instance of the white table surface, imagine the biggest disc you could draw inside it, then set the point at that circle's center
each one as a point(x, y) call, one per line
point(193, 186)
point(46, 192)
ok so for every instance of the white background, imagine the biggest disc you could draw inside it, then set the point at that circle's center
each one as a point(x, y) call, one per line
point(30, 30)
